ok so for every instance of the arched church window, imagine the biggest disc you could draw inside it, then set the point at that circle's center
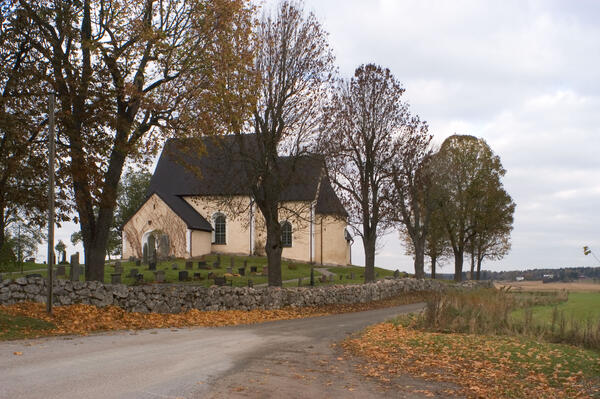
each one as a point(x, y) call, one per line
point(286, 234)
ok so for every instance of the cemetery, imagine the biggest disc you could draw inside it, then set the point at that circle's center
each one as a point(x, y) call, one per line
point(235, 271)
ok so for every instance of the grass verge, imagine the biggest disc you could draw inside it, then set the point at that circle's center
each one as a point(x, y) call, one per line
point(483, 366)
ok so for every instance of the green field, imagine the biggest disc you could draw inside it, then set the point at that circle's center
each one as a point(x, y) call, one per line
point(290, 271)
point(581, 306)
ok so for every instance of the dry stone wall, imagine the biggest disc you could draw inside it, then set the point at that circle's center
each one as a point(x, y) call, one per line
point(165, 298)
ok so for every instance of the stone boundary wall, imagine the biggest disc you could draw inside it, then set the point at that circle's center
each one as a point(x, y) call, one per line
point(176, 298)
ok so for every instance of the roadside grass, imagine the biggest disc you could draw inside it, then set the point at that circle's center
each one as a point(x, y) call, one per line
point(21, 327)
point(290, 271)
point(484, 366)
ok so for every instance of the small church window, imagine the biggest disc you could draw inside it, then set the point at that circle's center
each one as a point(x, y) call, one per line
point(219, 229)
point(286, 234)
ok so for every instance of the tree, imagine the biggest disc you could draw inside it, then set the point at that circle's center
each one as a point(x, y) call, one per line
point(127, 73)
point(466, 168)
point(21, 242)
point(413, 189)
point(132, 193)
point(360, 125)
point(293, 65)
point(23, 106)
point(493, 223)
point(61, 249)
point(437, 245)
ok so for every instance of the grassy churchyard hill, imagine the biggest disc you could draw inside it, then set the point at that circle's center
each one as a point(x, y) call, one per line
point(199, 275)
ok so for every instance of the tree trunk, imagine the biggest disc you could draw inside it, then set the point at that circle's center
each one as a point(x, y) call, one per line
point(433, 261)
point(472, 275)
point(419, 258)
point(458, 265)
point(479, 261)
point(369, 246)
point(274, 249)
point(2, 226)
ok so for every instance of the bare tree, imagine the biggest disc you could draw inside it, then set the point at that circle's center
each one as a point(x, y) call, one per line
point(127, 73)
point(413, 189)
point(294, 67)
point(360, 125)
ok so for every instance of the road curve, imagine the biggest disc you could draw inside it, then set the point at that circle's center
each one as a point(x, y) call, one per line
point(162, 363)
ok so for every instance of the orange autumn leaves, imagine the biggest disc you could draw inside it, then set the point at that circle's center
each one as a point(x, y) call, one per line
point(83, 319)
point(480, 366)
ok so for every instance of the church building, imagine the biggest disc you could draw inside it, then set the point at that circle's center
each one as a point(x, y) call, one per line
point(198, 204)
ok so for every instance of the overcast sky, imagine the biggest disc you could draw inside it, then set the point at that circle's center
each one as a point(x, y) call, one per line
point(523, 75)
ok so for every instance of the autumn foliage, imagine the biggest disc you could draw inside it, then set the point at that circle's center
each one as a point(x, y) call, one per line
point(84, 319)
point(478, 366)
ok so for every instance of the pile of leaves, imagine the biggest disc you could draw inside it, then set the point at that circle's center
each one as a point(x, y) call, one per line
point(83, 319)
point(481, 366)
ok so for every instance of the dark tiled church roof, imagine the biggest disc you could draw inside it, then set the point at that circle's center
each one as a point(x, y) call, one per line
point(212, 166)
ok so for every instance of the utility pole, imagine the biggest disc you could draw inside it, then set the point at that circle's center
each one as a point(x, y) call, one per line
point(19, 256)
point(51, 144)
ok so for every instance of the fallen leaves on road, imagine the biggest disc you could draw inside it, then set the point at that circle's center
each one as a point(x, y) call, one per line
point(483, 366)
point(83, 319)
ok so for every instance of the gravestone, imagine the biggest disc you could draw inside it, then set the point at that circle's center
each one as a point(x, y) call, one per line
point(245, 264)
point(133, 272)
point(138, 262)
point(220, 281)
point(232, 262)
point(219, 260)
point(250, 283)
point(144, 254)
point(183, 275)
point(132, 258)
point(217, 265)
point(174, 266)
point(115, 278)
point(197, 276)
point(253, 269)
point(118, 268)
point(397, 273)
point(323, 279)
point(229, 270)
point(189, 265)
point(242, 271)
point(299, 281)
point(159, 276)
point(60, 270)
point(139, 278)
point(152, 265)
point(202, 265)
point(117, 264)
point(151, 248)
point(74, 275)
point(210, 275)
point(341, 277)
point(162, 251)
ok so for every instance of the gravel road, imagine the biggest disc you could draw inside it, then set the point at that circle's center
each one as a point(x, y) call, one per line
point(292, 358)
